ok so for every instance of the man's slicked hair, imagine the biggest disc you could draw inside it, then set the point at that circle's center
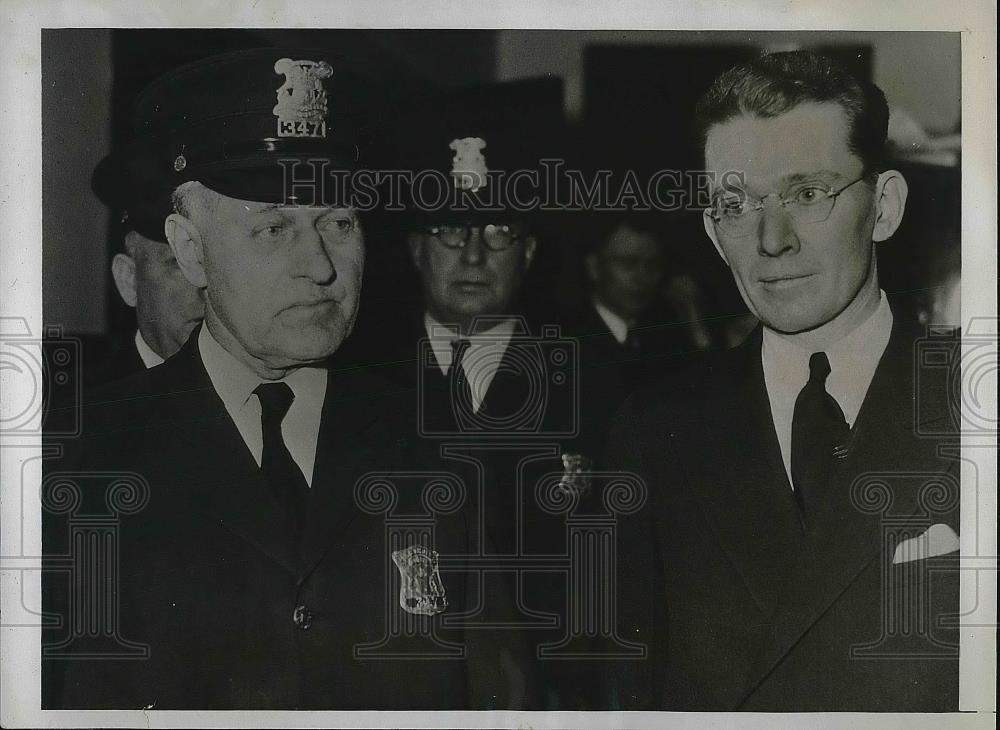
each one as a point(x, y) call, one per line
point(775, 83)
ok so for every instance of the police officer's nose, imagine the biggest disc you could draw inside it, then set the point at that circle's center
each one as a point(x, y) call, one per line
point(474, 250)
point(776, 235)
point(315, 259)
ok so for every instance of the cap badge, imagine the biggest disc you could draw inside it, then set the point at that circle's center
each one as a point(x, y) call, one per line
point(468, 166)
point(420, 588)
point(301, 109)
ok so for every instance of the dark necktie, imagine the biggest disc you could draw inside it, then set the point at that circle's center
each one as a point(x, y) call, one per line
point(460, 389)
point(283, 475)
point(818, 428)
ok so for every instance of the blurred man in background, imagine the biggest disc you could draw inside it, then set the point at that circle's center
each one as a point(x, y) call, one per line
point(625, 327)
point(146, 274)
point(166, 306)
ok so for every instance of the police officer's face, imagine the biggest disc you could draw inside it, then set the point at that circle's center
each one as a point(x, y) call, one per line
point(626, 271)
point(167, 307)
point(282, 281)
point(462, 283)
point(798, 276)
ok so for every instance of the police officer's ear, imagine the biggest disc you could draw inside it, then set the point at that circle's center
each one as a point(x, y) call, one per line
point(890, 202)
point(123, 272)
point(530, 247)
point(709, 223)
point(186, 242)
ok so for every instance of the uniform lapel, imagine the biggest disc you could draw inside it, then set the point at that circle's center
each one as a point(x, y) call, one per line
point(348, 446)
point(509, 389)
point(743, 484)
point(842, 539)
point(217, 469)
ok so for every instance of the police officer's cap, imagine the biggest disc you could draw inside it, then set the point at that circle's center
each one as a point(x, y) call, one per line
point(230, 120)
point(128, 183)
point(471, 142)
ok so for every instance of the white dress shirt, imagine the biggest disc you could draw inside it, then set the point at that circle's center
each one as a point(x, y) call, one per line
point(235, 383)
point(853, 361)
point(482, 358)
point(149, 358)
point(617, 325)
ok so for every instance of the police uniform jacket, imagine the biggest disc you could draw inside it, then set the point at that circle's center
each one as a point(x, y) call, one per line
point(207, 604)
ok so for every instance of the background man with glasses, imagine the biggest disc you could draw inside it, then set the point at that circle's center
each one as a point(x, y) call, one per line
point(791, 556)
point(492, 382)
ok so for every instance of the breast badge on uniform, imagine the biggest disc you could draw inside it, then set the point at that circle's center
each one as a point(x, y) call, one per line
point(468, 166)
point(302, 100)
point(420, 588)
point(575, 478)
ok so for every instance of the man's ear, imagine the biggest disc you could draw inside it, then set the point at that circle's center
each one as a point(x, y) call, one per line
point(415, 242)
point(709, 223)
point(530, 248)
point(890, 202)
point(123, 272)
point(186, 243)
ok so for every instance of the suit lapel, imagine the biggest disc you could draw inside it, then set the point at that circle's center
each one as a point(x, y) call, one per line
point(751, 507)
point(218, 470)
point(842, 539)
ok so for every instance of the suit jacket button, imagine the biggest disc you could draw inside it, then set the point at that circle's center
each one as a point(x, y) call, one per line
point(302, 617)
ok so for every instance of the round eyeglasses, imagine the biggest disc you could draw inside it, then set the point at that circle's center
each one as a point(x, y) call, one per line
point(496, 237)
point(737, 213)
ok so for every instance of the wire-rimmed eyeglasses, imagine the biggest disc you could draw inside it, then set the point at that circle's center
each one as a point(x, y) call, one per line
point(737, 213)
point(496, 237)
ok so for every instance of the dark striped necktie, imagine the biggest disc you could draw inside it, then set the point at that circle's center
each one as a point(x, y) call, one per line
point(818, 429)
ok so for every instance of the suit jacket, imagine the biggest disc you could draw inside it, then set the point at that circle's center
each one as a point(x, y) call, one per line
point(653, 348)
point(744, 606)
point(234, 617)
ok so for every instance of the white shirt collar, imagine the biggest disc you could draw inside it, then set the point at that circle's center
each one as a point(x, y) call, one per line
point(146, 353)
point(441, 336)
point(232, 379)
point(853, 361)
point(235, 383)
point(615, 323)
point(486, 350)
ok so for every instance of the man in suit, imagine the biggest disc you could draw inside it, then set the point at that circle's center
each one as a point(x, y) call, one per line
point(798, 549)
point(621, 328)
point(247, 483)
